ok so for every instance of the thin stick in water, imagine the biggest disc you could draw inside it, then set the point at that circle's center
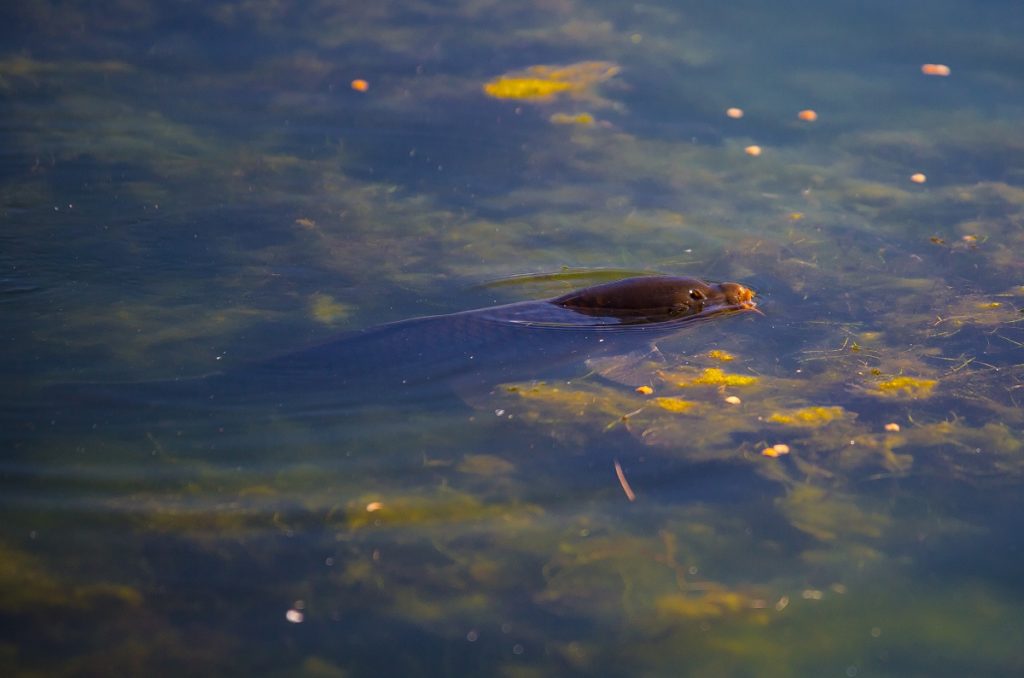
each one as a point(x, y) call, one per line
point(630, 495)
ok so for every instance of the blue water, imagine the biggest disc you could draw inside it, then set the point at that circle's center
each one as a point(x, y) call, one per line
point(189, 191)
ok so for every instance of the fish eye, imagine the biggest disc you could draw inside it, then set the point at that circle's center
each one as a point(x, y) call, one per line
point(697, 295)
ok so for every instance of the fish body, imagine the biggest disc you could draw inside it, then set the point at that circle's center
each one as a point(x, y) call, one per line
point(512, 340)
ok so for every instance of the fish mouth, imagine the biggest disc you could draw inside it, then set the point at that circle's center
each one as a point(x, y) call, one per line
point(740, 297)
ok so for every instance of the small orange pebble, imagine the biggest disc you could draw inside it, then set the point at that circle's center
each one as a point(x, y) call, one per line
point(644, 390)
point(769, 452)
point(753, 150)
point(360, 85)
point(734, 113)
point(935, 69)
point(918, 178)
point(374, 506)
point(781, 448)
point(807, 115)
point(892, 427)
point(733, 400)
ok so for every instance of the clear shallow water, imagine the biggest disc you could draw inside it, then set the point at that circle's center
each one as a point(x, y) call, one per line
point(192, 190)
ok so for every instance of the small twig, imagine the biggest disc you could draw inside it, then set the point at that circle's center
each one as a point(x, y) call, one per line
point(625, 483)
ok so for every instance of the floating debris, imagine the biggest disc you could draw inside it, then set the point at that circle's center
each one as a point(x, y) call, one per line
point(941, 70)
point(776, 450)
point(630, 495)
point(723, 356)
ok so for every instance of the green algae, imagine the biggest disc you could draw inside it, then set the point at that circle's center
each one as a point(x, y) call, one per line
point(907, 387)
point(808, 416)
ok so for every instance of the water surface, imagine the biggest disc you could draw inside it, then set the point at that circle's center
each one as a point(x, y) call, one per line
point(193, 190)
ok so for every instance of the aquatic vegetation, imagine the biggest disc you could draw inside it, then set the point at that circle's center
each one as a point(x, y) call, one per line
point(28, 587)
point(327, 309)
point(583, 119)
point(809, 416)
point(704, 605)
point(711, 376)
point(827, 516)
point(572, 402)
point(676, 405)
point(906, 387)
point(484, 465)
point(545, 82)
point(446, 507)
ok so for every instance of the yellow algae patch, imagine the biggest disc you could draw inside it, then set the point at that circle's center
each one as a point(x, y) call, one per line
point(525, 88)
point(723, 356)
point(328, 310)
point(711, 376)
point(484, 465)
point(584, 119)
point(808, 416)
point(708, 605)
point(677, 405)
point(907, 387)
point(544, 82)
point(716, 377)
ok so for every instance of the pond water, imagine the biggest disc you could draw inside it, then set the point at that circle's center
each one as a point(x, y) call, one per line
point(189, 192)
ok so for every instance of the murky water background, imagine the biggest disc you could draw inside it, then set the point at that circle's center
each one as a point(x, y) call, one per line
point(831, 489)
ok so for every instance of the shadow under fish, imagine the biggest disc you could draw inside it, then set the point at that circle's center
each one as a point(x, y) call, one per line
point(413, 362)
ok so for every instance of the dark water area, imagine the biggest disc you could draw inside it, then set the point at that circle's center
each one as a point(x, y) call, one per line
point(199, 204)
